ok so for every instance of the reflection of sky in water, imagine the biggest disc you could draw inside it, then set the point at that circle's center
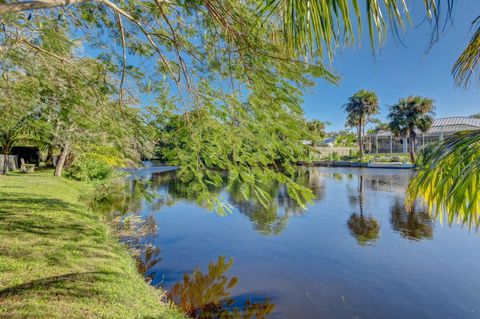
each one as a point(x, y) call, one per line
point(355, 252)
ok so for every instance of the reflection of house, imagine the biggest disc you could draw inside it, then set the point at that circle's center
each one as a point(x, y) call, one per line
point(386, 142)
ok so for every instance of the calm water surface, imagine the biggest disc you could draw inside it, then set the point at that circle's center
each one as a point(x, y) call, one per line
point(354, 253)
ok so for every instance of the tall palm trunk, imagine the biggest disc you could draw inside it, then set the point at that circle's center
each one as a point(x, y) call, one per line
point(360, 138)
point(411, 146)
point(61, 159)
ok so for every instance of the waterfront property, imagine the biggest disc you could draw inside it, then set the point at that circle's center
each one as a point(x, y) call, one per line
point(386, 142)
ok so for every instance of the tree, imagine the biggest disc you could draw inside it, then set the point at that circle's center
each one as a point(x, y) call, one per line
point(316, 128)
point(66, 102)
point(168, 31)
point(410, 115)
point(18, 105)
point(344, 138)
point(475, 116)
point(379, 126)
point(360, 107)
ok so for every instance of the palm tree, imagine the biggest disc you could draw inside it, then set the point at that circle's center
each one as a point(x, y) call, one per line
point(360, 107)
point(409, 115)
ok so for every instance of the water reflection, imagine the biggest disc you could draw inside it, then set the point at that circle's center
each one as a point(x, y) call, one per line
point(207, 295)
point(199, 295)
point(319, 267)
point(272, 218)
point(165, 189)
point(365, 229)
point(413, 224)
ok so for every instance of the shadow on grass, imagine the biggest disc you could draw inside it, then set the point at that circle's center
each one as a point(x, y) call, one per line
point(57, 228)
point(17, 200)
point(24, 213)
point(74, 285)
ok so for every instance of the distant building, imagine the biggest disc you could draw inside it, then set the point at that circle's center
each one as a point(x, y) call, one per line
point(329, 141)
point(386, 142)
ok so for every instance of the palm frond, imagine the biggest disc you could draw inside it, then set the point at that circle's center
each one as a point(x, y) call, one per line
point(448, 181)
point(322, 26)
point(467, 66)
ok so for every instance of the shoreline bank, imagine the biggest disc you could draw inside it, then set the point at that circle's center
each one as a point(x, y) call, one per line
point(59, 259)
point(391, 165)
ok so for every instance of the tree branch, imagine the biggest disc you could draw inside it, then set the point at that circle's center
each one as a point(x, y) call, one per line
point(35, 5)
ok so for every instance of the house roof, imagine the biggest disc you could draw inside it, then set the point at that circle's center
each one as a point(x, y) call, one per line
point(329, 140)
point(446, 125)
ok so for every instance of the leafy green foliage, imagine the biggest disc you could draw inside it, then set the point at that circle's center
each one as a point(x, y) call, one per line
point(448, 182)
point(89, 170)
point(344, 138)
point(467, 66)
point(250, 129)
point(19, 107)
point(316, 129)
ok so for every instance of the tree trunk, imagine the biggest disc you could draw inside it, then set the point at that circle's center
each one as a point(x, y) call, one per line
point(411, 148)
point(61, 160)
point(6, 148)
point(360, 138)
point(49, 158)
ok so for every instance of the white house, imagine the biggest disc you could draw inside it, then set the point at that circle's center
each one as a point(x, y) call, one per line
point(386, 142)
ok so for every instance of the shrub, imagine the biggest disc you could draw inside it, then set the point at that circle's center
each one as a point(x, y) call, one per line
point(89, 170)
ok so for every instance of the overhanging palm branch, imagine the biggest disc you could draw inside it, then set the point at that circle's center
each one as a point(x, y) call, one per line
point(467, 66)
point(449, 179)
point(322, 26)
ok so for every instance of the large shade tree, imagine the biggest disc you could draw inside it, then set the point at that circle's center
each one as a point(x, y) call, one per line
point(408, 117)
point(157, 28)
point(360, 108)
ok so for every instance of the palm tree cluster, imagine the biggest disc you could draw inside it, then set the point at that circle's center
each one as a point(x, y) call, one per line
point(407, 117)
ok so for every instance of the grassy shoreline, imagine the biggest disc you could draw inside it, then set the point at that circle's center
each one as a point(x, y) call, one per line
point(58, 259)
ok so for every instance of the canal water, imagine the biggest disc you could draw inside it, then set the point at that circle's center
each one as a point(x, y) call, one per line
point(354, 253)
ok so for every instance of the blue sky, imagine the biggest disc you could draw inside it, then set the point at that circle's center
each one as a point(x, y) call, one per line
point(399, 70)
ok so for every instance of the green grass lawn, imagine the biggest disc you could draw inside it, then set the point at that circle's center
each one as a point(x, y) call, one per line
point(59, 260)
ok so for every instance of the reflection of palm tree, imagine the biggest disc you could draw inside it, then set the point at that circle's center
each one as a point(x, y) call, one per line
point(413, 225)
point(207, 295)
point(365, 229)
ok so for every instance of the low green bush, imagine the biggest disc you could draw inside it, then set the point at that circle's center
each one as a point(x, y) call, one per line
point(89, 170)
